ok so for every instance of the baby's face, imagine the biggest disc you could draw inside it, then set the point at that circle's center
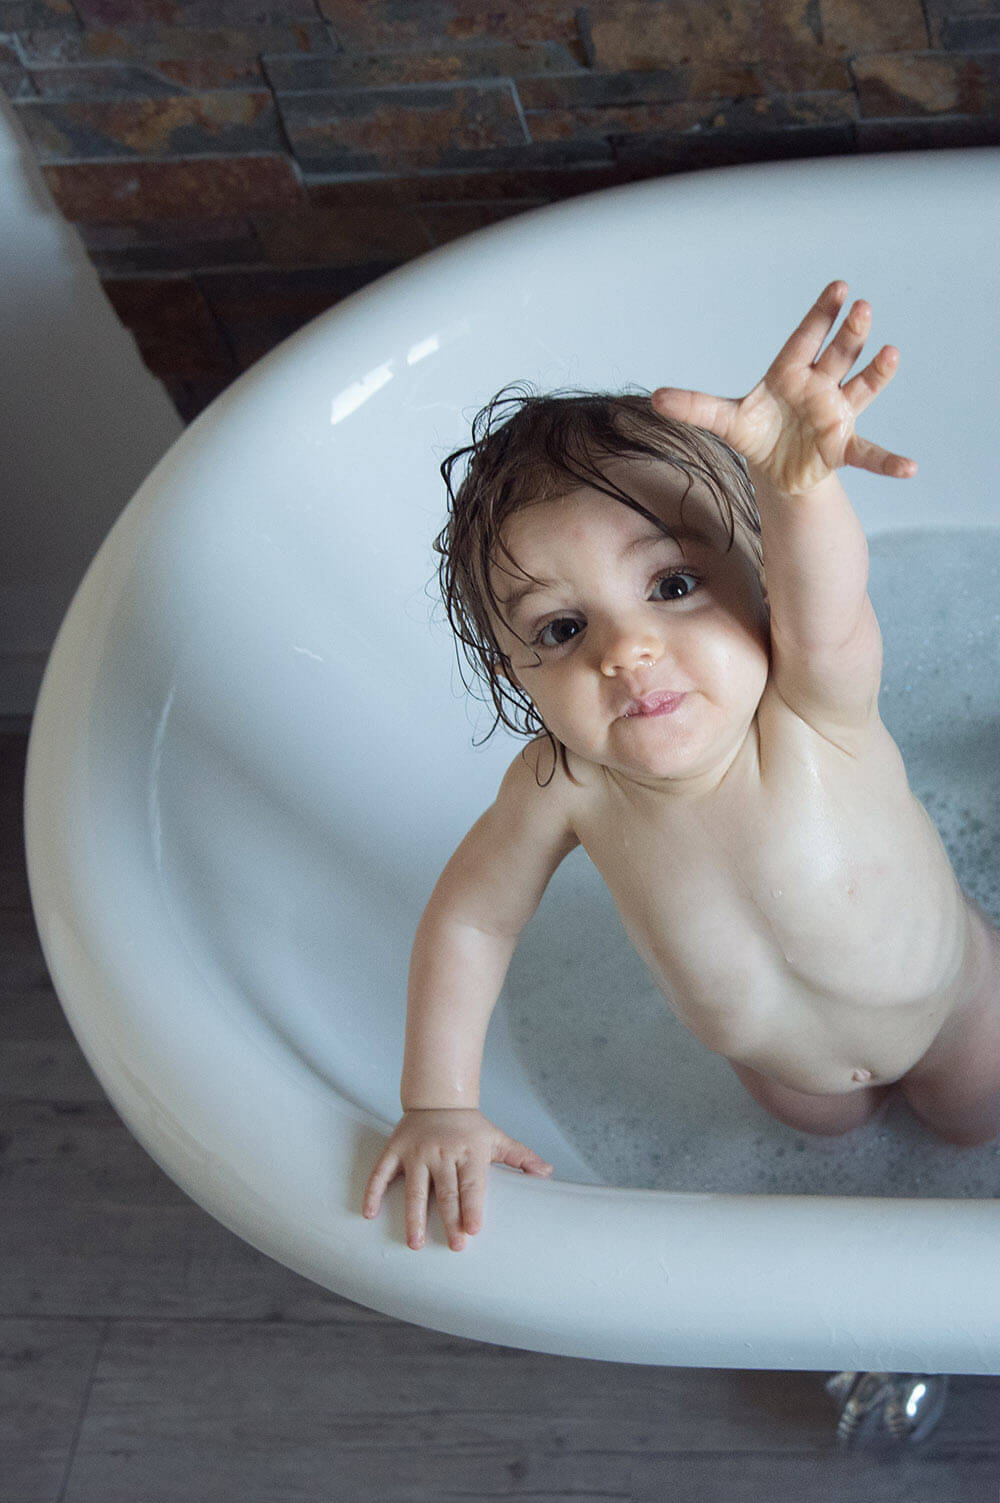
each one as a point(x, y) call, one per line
point(642, 654)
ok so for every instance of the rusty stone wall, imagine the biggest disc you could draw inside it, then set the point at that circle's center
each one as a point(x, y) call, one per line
point(235, 168)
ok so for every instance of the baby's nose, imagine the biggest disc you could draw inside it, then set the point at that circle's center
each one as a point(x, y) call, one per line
point(626, 650)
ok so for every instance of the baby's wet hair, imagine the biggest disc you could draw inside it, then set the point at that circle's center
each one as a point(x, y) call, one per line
point(527, 448)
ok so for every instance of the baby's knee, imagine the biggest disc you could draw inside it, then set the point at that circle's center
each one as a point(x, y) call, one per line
point(963, 1119)
point(973, 1135)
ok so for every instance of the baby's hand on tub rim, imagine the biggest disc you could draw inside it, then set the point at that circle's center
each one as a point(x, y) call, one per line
point(455, 1147)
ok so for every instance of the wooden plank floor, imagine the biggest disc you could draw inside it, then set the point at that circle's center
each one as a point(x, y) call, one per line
point(148, 1356)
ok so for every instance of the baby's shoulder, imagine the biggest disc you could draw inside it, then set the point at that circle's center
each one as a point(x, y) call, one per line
point(554, 766)
point(546, 782)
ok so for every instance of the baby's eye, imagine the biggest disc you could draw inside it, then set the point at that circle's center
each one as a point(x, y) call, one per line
point(555, 633)
point(675, 586)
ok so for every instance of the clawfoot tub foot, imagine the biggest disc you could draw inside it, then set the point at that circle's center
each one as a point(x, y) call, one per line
point(886, 1408)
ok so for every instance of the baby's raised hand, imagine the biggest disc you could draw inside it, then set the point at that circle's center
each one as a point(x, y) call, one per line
point(455, 1146)
point(797, 424)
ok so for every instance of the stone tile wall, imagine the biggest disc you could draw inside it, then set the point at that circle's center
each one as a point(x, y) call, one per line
point(235, 168)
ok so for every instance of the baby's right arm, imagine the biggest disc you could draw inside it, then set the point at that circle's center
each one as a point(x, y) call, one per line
point(463, 947)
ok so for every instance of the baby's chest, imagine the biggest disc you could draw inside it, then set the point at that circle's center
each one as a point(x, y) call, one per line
point(734, 910)
point(740, 918)
point(829, 892)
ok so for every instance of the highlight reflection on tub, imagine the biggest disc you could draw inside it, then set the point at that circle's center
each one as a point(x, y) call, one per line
point(252, 756)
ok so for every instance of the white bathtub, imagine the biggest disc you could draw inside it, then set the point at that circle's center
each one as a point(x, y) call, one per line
point(252, 756)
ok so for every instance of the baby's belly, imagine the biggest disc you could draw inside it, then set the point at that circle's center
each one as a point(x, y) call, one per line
point(850, 1007)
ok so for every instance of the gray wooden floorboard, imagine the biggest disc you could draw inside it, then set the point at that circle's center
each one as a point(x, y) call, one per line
point(149, 1356)
point(764, 1478)
point(46, 1368)
point(94, 1228)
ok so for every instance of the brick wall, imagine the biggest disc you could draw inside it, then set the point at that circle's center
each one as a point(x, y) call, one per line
point(235, 168)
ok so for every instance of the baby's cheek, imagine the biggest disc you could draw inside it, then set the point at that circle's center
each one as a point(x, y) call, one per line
point(548, 705)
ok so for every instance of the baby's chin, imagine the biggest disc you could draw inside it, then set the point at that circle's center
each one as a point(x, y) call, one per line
point(658, 750)
point(650, 762)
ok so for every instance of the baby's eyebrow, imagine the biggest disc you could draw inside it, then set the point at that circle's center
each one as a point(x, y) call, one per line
point(644, 540)
point(675, 535)
point(516, 596)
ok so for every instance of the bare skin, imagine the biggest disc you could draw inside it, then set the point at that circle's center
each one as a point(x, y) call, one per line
point(757, 831)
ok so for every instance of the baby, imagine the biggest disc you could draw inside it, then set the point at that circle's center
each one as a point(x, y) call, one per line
point(703, 662)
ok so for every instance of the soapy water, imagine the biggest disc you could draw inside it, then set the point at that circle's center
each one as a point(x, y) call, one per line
point(644, 1102)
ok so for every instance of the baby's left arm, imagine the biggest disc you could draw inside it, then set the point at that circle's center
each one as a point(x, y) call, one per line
point(795, 429)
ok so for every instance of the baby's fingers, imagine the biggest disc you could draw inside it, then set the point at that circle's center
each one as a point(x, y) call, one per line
point(418, 1182)
point(866, 385)
point(868, 456)
point(379, 1180)
point(472, 1190)
point(517, 1156)
point(803, 346)
point(716, 414)
point(449, 1208)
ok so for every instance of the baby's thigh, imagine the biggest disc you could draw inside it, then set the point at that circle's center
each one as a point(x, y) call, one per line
point(828, 1116)
point(955, 1089)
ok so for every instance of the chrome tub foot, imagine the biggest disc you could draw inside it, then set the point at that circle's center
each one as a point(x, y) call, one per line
point(886, 1408)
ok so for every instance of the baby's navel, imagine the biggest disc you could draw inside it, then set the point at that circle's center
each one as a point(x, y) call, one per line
point(861, 1075)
